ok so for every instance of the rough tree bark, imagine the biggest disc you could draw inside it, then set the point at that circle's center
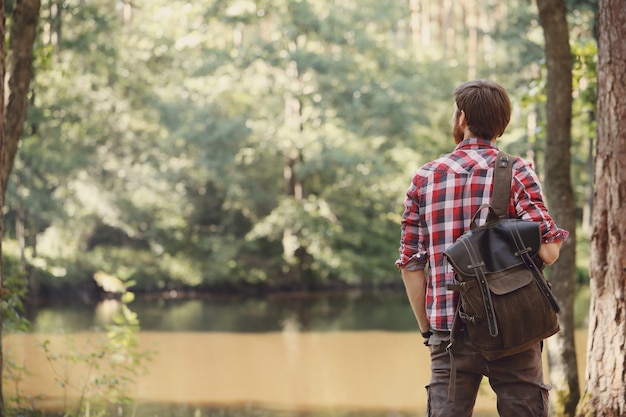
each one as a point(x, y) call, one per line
point(560, 195)
point(18, 72)
point(605, 390)
point(3, 181)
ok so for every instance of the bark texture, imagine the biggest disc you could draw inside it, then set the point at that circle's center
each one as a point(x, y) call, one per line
point(605, 391)
point(2, 185)
point(19, 69)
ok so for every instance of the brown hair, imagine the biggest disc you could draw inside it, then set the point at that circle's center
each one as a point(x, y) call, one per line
point(486, 106)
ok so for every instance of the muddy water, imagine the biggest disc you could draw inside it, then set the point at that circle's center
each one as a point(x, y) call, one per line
point(293, 370)
point(289, 370)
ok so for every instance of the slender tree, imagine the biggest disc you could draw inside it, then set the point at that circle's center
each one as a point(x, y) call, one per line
point(561, 348)
point(3, 181)
point(605, 391)
point(19, 72)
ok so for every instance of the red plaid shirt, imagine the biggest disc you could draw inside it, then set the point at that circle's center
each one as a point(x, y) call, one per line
point(439, 206)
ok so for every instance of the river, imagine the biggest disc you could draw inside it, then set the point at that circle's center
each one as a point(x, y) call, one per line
point(298, 355)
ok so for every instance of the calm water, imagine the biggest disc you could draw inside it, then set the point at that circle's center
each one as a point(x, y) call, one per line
point(282, 356)
point(309, 313)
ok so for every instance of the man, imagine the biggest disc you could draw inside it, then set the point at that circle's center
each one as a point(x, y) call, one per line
point(439, 205)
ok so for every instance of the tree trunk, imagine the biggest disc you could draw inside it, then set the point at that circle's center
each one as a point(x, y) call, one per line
point(292, 250)
point(605, 391)
point(471, 22)
point(486, 24)
point(3, 182)
point(19, 70)
point(559, 191)
point(426, 24)
point(448, 27)
point(416, 41)
point(19, 73)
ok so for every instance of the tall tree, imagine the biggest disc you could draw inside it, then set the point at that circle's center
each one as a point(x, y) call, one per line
point(18, 71)
point(3, 180)
point(605, 391)
point(561, 348)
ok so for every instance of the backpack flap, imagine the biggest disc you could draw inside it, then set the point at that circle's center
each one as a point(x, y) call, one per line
point(505, 283)
point(494, 246)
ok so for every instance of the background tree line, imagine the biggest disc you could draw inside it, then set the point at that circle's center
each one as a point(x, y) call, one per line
point(227, 144)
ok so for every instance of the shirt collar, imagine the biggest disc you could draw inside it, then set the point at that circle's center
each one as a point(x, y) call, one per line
point(476, 143)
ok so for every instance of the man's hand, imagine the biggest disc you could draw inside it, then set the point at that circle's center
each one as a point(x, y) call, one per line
point(549, 252)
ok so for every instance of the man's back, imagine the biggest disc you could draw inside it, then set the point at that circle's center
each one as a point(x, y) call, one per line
point(448, 191)
point(439, 206)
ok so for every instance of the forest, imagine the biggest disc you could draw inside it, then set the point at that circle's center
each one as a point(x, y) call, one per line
point(216, 150)
point(257, 145)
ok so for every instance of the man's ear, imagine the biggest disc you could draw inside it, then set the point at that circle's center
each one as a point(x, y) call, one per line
point(462, 120)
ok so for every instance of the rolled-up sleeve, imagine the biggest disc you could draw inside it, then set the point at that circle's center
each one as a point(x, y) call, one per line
point(413, 250)
point(529, 205)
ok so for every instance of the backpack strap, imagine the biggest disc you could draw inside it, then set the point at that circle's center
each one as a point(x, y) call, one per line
point(500, 199)
point(500, 203)
point(502, 177)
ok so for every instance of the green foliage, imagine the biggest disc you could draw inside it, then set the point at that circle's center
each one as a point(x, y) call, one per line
point(100, 372)
point(13, 293)
point(269, 143)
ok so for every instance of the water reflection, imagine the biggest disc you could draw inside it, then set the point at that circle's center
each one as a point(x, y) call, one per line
point(106, 310)
point(321, 356)
point(330, 312)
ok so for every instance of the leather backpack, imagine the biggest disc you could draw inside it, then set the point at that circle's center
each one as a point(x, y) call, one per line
point(505, 304)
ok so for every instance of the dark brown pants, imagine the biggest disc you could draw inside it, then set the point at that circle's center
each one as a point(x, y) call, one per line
point(517, 381)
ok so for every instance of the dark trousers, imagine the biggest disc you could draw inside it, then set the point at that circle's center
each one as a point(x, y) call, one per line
point(517, 381)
